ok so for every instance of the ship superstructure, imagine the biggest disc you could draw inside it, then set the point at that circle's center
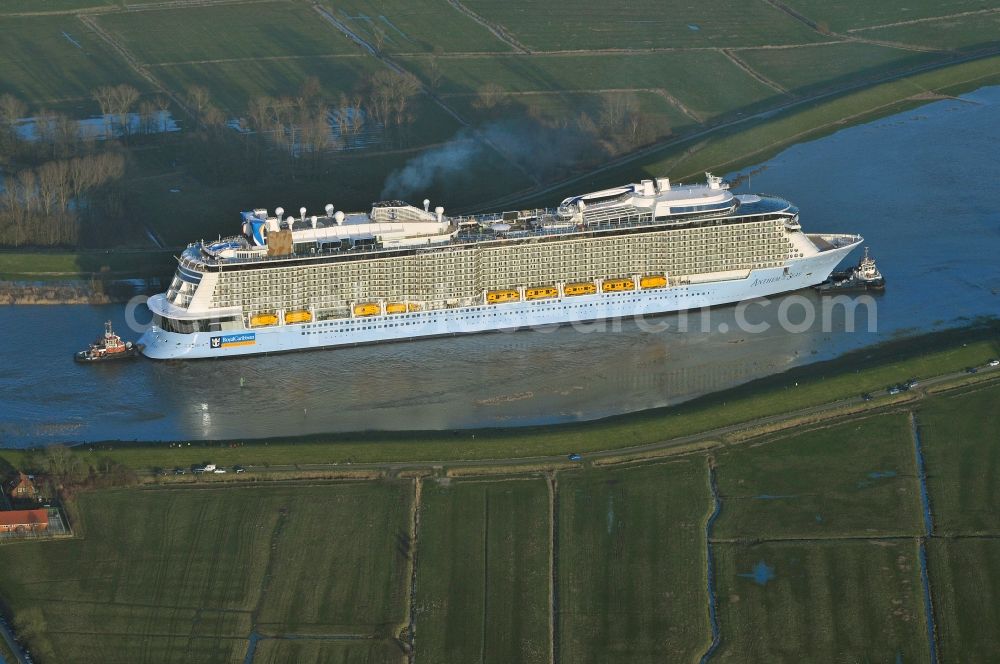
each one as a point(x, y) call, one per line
point(399, 271)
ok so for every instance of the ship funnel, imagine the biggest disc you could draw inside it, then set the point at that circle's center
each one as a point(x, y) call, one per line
point(439, 211)
point(278, 211)
point(302, 213)
point(339, 217)
point(291, 221)
point(329, 209)
point(313, 220)
point(427, 205)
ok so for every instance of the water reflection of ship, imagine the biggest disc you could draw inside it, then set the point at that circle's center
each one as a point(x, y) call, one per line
point(863, 277)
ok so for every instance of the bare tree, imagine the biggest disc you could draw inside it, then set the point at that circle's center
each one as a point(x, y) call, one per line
point(198, 99)
point(490, 96)
point(147, 117)
point(104, 96)
point(378, 38)
point(434, 74)
point(123, 98)
point(12, 109)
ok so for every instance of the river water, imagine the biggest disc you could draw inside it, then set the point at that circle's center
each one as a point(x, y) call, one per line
point(920, 186)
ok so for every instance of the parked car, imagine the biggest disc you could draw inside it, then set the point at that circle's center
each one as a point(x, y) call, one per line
point(994, 363)
point(971, 370)
point(911, 383)
point(575, 457)
point(866, 397)
point(894, 389)
point(239, 469)
point(179, 471)
point(219, 471)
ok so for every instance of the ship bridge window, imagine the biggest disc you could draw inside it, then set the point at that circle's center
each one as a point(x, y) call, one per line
point(197, 325)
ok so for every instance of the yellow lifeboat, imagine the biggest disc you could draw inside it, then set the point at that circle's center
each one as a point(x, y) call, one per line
point(367, 309)
point(262, 320)
point(401, 307)
point(653, 281)
point(541, 293)
point(612, 285)
point(498, 296)
point(300, 316)
point(581, 288)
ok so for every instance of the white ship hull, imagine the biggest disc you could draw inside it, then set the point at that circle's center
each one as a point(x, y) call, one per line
point(795, 275)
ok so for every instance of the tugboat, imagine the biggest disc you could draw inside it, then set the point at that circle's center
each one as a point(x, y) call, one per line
point(865, 276)
point(109, 347)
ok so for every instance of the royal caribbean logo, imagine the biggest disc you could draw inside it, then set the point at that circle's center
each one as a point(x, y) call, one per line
point(248, 339)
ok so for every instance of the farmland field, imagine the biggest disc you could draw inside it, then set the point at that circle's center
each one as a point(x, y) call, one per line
point(226, 32)
point(850, 479)
point(415, 27)
point(965, 574)
point(820, 602)
point(843, 15)
point(828, 64)
point(15, 6)
point(327, 652)
point(682, 74)
point(482, 582)
point(161, 572)
point(234, 83)
point(632, 584)
point(962, 452)
point(49, 58)
point(966, 31)
point(591, 24)
point(340, 562)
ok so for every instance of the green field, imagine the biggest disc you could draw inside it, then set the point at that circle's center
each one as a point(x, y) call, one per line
point(161, 572)
point(482, 580)
point(827, 602)
point(799, 486)
point(979, 30)
point(415, 27)
point(591, 24)
point(962, 454)
point(234, 83)
point(841, 15)
point(828, 65)
point(66, 265)
point(681, 74)
point(16, 6)
point(41, 64)
point(229, 32)
point(327, 652)
point(340, 562)
point(965, 574)
point(632, 584)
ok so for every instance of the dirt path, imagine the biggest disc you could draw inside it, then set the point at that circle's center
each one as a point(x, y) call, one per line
point(713, 616)
point(497, 30)
point(750, 71)
point(929, 19)
point(553, 484)
point(132, 61)
point(418, 484)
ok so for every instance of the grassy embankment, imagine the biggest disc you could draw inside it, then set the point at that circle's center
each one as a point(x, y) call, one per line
point(869, 369)
point(55, 266)
point(815, 559)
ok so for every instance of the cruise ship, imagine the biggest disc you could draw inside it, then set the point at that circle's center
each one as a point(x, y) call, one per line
point(401, 272)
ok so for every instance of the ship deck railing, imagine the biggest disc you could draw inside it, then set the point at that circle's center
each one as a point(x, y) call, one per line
point(469, 238)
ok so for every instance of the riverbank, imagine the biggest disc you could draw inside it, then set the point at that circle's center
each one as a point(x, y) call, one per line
point(846, 377)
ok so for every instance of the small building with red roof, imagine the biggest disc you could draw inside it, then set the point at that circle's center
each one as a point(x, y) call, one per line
point(24, 521)
point(23, 488)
